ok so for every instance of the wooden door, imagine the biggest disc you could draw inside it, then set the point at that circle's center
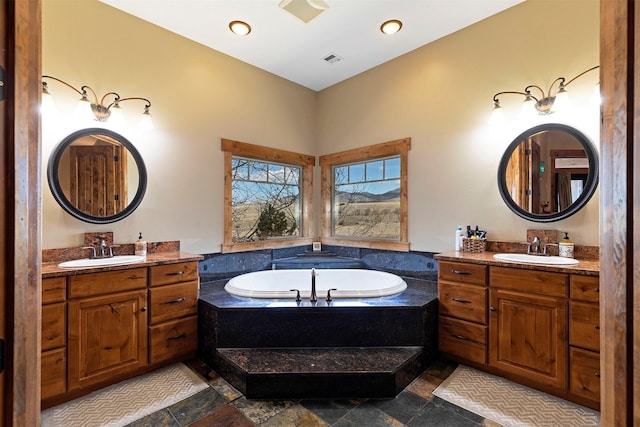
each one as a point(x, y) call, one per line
point(95, 179)
point(534, 177)
point(107, 337)
point(528, 336)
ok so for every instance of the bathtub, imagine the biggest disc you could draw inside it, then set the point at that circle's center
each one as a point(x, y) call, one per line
point(349, 283)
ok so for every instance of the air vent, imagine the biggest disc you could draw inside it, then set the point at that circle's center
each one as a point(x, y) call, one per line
point(332, 58)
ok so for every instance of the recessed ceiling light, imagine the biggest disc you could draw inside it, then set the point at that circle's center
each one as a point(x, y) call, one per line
point(391, 27)
point(240, 28)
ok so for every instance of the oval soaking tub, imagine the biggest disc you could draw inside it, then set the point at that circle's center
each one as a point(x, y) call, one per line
point(349, 283)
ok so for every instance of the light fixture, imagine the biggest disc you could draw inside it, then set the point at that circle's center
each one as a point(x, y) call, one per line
point(240, 28)
point(547, 103)
point(391, 27)
point(304, 10)
point(99, 109)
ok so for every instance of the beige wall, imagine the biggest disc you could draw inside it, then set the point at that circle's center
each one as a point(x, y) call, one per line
point(439, 95)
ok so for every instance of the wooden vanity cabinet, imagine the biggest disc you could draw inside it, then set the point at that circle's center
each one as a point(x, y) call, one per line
point(528, 325)
point(173, 295)
point(107, 325)
point(462, 302)
point(54, 337)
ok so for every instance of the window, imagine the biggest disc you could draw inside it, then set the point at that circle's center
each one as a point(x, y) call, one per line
point(364, 196)
point(267, 197)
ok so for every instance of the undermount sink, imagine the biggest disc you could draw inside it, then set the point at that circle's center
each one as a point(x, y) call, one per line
point(101, 262)
point(536, 259)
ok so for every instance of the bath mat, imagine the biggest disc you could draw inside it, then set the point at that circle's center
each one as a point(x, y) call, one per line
point(511, 404)
point(127, 401)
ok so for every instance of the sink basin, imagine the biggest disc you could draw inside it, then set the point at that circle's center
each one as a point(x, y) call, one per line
point(536, 259)
point(101, 262)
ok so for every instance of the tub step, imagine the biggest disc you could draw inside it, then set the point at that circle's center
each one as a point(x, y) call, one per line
point(327, 372)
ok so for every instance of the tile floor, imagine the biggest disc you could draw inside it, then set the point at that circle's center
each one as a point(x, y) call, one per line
point(222, 405)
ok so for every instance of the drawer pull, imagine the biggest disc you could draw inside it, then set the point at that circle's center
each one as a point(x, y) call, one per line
point(461, 301)
point(460, 337)
point(597, 374)
point(175, 301)
point(596, 326)
point(460, 272)
point(177, 337)
point(492, 308)
point(597, 290)
point(175, 273)
point(143, 309)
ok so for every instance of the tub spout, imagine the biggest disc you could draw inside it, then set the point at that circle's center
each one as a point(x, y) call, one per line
point(313, 297)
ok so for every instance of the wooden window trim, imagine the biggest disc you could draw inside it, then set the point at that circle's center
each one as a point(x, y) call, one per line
point(398, 147)
point(257, 152)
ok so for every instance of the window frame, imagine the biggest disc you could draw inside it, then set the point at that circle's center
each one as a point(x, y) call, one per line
point(327, 162)
point(260, 153)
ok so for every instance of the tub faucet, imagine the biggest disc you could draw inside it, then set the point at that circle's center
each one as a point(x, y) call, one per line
point(313, 297)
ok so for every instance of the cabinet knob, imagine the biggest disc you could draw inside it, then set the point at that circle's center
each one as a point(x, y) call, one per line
point(597, 374)
point(492, 308)
point(596, 326)
point(143, 309)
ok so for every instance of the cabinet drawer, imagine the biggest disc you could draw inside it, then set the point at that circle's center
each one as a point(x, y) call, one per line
point(172, 339)
point(585, 288)
point(173, 301)
point(54, 373)
point(529, 281)
point(173, 273)
point(463, 339)
point(585, 374)
point(584, 325)
point(107, 282)
point(54, 289)
point(463, 272)
point(54, 324)
point(463, 301)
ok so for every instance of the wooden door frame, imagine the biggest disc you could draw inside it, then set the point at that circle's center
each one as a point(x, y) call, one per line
point(21, 221)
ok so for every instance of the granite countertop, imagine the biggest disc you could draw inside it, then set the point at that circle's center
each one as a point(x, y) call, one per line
point(51, 269)
point(586, 267)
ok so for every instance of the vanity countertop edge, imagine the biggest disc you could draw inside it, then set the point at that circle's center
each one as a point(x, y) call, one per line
point(51, 269)
point(585, 267)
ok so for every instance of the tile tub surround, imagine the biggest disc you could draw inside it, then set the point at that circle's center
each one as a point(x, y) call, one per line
point(250, 329)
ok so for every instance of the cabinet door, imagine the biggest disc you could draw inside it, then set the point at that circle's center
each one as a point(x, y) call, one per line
point(107, 337)
point(528, 336)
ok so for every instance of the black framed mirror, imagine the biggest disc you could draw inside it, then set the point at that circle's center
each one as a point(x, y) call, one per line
point(548, 172)
point(97, 175)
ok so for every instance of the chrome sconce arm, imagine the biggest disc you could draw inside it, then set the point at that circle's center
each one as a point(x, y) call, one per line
point(543, 103)
point(99, 107)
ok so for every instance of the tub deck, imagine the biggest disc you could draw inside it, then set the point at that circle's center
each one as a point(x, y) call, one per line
point(347, 348)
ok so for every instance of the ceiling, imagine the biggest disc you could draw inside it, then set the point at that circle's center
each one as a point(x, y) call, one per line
point(284, 45)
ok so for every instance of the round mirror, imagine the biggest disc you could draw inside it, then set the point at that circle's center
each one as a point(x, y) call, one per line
point(548, 172)
point(97, 175)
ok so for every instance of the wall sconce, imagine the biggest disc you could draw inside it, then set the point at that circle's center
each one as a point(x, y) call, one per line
point(544, 104)
point(100, 109)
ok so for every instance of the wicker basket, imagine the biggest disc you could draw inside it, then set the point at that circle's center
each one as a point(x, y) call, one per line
point(473, 245)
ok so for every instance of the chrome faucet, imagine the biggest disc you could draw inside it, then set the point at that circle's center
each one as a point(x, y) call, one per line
point(535, 245)
point(313, 297)
point(103, 246)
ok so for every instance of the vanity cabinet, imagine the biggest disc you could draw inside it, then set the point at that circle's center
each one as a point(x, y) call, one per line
point(528, 324)
point(107, 325)
point(533, 326)
point(462, 302)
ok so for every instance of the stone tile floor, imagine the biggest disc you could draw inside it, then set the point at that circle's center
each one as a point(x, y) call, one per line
point(222, 405)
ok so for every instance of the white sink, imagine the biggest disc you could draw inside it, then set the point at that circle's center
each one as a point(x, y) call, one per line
point(536, 259)
point(100, 262)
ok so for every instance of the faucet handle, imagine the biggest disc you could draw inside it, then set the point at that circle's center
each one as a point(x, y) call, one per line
point(329, 294)
point(93, 250)
point(297, 291)
point(544, 250)
point(528, 246)
point(111, 249)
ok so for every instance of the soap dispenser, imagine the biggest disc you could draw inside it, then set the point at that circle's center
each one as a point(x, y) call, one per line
point(140, 246)
point(565, 247)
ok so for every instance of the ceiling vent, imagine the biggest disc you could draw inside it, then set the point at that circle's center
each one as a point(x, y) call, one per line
point(332, 58)
point(305, 10)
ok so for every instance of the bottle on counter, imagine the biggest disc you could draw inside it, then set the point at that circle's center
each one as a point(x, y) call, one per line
point(140, 246)
point(459, 236)
point(566, 247)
